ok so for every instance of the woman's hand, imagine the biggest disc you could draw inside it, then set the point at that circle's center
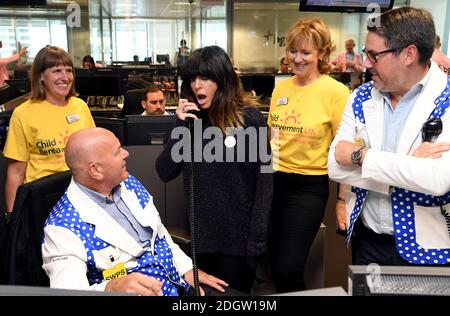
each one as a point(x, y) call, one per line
point(183, 107)
point(205, 278)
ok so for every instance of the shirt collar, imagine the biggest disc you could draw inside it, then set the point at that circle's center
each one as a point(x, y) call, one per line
point(99, 198)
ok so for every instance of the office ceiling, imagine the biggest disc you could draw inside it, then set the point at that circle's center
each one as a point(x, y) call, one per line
point(171, 8)
point(150, 8)
point(153, 8)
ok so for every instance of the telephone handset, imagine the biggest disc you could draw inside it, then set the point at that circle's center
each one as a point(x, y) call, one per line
point(431, 129)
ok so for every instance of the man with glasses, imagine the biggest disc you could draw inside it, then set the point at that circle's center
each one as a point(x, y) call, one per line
point(398, 211)
point(154, 102)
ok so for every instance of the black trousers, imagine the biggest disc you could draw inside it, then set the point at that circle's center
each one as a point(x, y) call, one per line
point(298, 207)
point(370, 247)
point(232, 269)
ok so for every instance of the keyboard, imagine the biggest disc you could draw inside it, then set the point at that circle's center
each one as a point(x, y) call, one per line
point(105, 101)
point(408, 285)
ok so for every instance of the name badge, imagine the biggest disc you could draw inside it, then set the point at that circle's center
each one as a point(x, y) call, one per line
point(360, 141)
point(72, 118)
point(282, 101)
point(115, 272)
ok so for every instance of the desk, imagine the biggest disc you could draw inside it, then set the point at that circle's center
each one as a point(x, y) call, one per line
point(110, 111)
point(331, 291)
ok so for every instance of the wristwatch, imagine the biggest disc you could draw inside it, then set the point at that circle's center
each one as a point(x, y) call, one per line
point(356, 156)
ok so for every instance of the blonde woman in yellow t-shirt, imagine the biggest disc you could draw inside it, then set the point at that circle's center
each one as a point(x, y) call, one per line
point(307, 110)
point(40, 127)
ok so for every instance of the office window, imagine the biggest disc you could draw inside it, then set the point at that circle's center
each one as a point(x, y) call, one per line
point(143, 38)
point(33, 33)
point(130, 38)
point(212, 26)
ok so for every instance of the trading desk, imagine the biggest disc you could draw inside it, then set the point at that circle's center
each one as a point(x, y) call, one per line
point(110, 111)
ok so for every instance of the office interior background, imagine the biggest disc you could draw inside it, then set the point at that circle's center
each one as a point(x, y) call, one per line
point(251, 31)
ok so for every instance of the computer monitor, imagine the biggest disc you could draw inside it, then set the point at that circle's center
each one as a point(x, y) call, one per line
point(345, 5)
point(110, 85)
point(163, 59)
point(149, 129)
point(343, 77)
point(115, 125)
point(246, 81)
point(95, 84)
point(263, 85)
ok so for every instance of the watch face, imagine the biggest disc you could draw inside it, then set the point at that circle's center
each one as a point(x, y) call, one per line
point(356, 155)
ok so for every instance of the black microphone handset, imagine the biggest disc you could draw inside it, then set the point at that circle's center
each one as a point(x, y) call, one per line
point(431, 129)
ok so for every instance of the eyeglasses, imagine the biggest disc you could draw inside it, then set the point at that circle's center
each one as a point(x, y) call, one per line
point(155, 102)
point(372, 56)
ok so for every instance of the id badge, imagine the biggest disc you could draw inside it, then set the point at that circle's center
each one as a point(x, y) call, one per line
point(358, 140)
point(282, 101)
point(72, 118)
point(115, 272)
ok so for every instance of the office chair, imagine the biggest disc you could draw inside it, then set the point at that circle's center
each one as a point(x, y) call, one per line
point(34, 201)
point(132, 102)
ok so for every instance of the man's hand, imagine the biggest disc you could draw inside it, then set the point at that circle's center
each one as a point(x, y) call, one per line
point(341, 215)
point(340, 67)
point(136, 282)
point(431, 150)
point(205, 278)
point(343, 152)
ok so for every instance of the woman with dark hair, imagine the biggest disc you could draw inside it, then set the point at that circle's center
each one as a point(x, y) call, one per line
point(88, 62)
point(40, 127)
point(232, 196)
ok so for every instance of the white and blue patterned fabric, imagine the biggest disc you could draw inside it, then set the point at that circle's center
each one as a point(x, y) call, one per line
point(402, 200)
point(159, 264)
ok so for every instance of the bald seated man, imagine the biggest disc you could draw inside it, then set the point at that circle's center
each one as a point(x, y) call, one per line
point(105, 234)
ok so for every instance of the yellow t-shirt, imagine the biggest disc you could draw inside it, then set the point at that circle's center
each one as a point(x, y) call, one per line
point(308, 118)
point(38, 132)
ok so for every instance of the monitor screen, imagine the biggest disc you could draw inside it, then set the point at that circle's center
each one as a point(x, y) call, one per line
point(149, 129)
point(263, 85)
point(163, 59)
point(346, 5)
point(86, 86)
point(18, 3)
point(115, 125)
point(98, 84)
point(109, 85)
point(21, 85)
